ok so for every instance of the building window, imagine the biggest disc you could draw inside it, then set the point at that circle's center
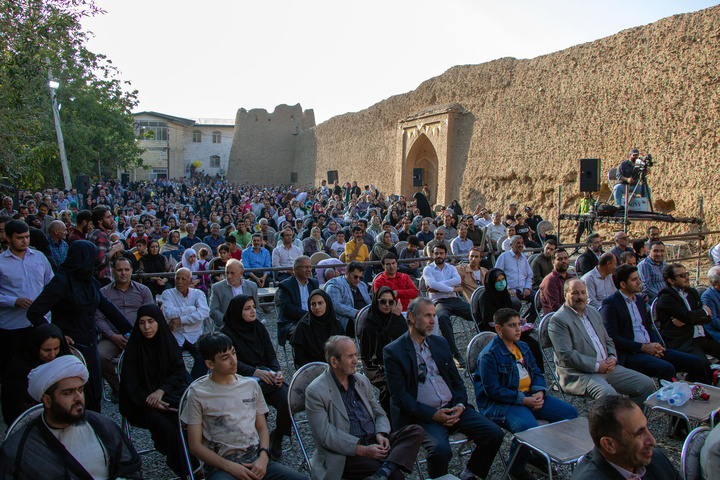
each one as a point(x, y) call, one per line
point(216, 136)
point(293, 177)
point(214, 161)
point(159, 173)
point(148, 130)
point(197, 136)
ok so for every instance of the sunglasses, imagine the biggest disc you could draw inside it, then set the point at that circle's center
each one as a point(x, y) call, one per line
point(422, 372)
point(385, 301)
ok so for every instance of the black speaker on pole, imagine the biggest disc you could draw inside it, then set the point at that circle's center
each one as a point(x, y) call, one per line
point(82, 182)
point(124, 179)
point(332, 176)
point(589, 174)
point(417, 177)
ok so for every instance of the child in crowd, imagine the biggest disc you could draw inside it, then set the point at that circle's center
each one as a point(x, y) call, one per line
point(339, 245)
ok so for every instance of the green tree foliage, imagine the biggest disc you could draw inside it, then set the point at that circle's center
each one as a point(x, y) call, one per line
point(41, 36)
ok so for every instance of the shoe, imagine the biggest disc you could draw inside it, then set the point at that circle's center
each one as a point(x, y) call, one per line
point(459, 360)
point(114, 397)
point(276, 439)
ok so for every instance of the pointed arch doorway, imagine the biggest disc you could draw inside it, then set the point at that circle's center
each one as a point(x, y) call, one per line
point(421, 159)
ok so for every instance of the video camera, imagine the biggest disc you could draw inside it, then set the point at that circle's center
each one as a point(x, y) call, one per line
point(643, 165)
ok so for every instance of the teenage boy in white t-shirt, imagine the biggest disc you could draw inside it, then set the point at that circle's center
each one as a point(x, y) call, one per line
point(225, 415)
point(339, 245)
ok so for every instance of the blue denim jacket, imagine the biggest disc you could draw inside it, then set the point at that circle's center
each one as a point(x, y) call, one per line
point(711, 298)
point(496, 379)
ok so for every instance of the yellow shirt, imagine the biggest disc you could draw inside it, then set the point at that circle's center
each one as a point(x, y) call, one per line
point(362, 255)
point(525, 380)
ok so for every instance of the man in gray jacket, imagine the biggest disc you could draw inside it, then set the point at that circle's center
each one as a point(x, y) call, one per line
point(350, 429)
point(348, 293)
point(225, 290)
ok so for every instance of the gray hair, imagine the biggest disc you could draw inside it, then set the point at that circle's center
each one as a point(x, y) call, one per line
point(414, 305)
point(215, 225)
point(515, 238)
point(234, 261)
point(714, 275)
point(296, 262)
point(55, 225)
point(332, 346)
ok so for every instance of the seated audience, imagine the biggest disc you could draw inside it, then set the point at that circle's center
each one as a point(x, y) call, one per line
point(589, 260)
point(401, 283)
point(256, 358)
point(214, 239)
point(624, 446)
point(384, 324)
point(257, 256)
point(230, 437)
point(710, 455)
point(471, 273)
point(67, 441)
point(682, 315)
point(383, 246)
point(518, 272)
point(293, 294)
point(329, 271)
point(622, 242)
point(218, 263)
point(496, 231)
point(412, 250)
point(542, 264)
point(351, 432)
point(349, 295)
point(599, 280)
point(225, 290)
point(44, 344)
point(585, 355)
point(638, 345)
point(338, 246)
point(651, 271)
point(314, 329)
point(427, 390)
point(439, 239)
point(640, 248)
point(153, 262)
point(711, 299)
point(314, 243)
point(284, 255)
point(510, 389)
point(461, 245)
point(551, 288)
point(628, 258)
point(153, 379)
point(172, 249)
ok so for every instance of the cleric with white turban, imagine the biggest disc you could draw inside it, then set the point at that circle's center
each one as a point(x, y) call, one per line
point(40, 379)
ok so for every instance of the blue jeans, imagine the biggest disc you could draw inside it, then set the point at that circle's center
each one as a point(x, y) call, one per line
point(520, 418)
point(619, 192)
point(665, 368)
point(275, 471)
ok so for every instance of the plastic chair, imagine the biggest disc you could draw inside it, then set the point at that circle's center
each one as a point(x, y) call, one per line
point(182, 427)
point(316, 257)
point(477, 345)
point(546, 345)
point(200, 245)
point(690, 460)
point(25, 418)
point(296, 399)
point(475, 305)
point(359, 322)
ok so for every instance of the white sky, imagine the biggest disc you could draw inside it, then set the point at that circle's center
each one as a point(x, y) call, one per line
point(209, 58)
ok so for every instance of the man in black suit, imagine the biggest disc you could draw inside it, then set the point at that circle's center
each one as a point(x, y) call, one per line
point(623, 445)
point(589, 260)
point(426, 389)
point(293, 294)
point(638, 345)
point(682, 315)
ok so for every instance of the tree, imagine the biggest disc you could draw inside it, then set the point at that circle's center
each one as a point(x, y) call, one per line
point(45, 36)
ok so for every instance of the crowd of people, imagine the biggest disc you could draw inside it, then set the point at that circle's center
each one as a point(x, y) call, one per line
point(348, 263)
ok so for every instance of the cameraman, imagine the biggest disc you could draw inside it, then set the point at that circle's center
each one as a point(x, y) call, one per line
point(627, 174)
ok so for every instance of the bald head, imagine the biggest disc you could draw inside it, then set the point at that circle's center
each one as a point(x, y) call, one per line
point(57, 230)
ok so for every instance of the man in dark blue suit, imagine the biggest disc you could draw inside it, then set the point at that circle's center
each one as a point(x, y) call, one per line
point(293, 294)
point(638, 344)
point(590, 259)
point(426, 389)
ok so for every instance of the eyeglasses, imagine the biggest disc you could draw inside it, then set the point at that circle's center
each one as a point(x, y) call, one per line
point(422, 372)
point(385, 301)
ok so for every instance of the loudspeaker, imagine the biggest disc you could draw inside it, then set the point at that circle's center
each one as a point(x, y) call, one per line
point(332, 177)
point(417, 177)
point(124, 179)
point(589, 174)
point(82, 182)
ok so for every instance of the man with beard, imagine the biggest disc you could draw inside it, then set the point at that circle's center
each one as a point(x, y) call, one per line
point(104, 225)
point(82, 228)
point(551, 288)
point(65, 441)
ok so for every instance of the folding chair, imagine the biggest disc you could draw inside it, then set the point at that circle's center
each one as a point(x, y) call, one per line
point(288, 364)
point(690, 460)
point(477, 345)
point(25, 418)
point(296, 399)
point(475, 305)
point(654, 320)
point(537, 304)
point(182, 428)
point(316, 257)
point(546, 345)
point(359, 323)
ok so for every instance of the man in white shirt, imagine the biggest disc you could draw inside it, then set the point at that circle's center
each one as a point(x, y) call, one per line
point(185, 310)
point(518, 273)
point(285, 254)
point(443, 285)
point(495, 231)
point(599, 280)
point(461, 245)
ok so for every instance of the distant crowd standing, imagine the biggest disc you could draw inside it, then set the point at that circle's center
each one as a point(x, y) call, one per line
point(72, 317)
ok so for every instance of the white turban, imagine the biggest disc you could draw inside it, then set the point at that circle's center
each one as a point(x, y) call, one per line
point(48, 374)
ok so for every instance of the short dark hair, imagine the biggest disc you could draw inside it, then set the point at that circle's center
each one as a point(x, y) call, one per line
point(224, 248)
point(591, 237)
point(551, 241)
point(558, 251)
point(356, 229)
point(210, 344)
point(602, 418)
point(638, 245)
point(84, 216)
point(5, 218)
point(120, 259)
point(627, 255)
point(15, 226)
point(669, 271)
point(441, 246)
point(98, 213)
point(43, 204)
point(504, 315)
point(413, 240)
point(258, 235)
point(605, 259)
point(388, 256)
point(622, 273)
point(650, 228)
point(140, 241)
point(656, 242)
point(354, 265)
point(230, 239)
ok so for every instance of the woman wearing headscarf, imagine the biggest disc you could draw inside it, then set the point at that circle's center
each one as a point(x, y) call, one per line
point(383, 245)
point(73, 296)
point(45, 343)
point(172, 249)
point(314, 329)
point(190, 261)
point(383, 325)
point(256, 358)
point(314, 243)
point(375, 226)
point(153, 262)
point(493, 298)
point(152, 381)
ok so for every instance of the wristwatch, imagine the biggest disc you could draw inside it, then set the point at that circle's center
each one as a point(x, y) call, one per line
point(264, 449)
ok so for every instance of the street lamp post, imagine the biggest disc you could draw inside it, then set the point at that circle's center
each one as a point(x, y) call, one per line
point(54, 85)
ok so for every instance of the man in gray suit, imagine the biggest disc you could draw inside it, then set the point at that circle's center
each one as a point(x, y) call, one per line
point(225, 290)
point(350, 429)
point(585, 354)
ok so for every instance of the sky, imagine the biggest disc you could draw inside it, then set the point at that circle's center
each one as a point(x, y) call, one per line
point(207, 59)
